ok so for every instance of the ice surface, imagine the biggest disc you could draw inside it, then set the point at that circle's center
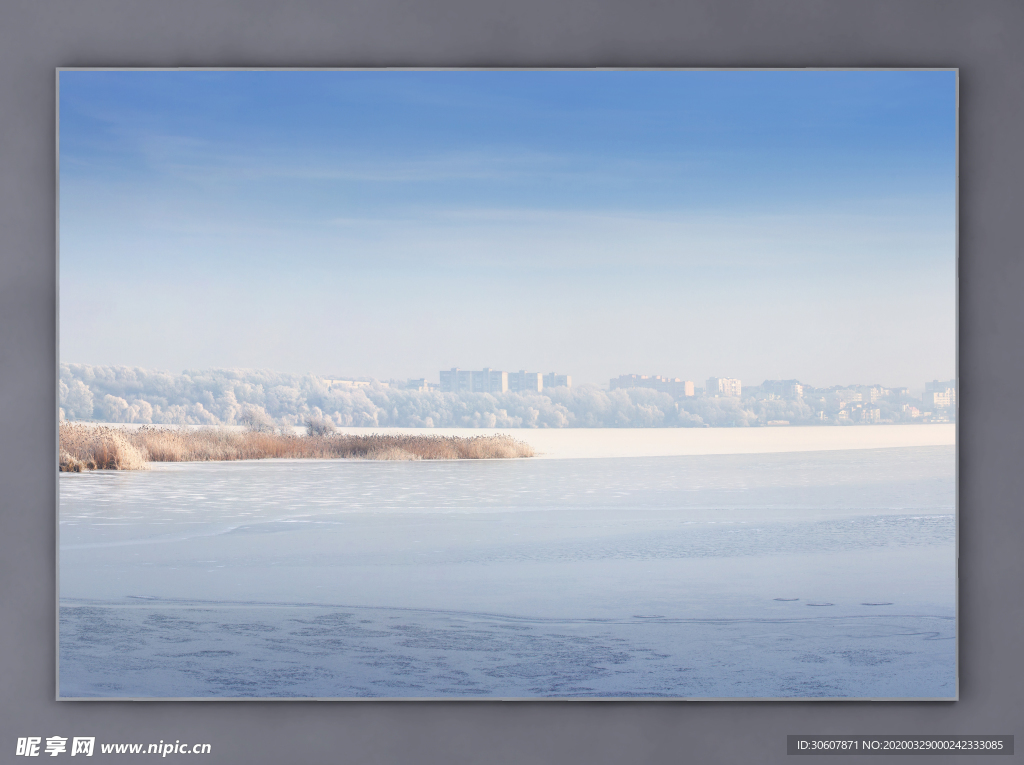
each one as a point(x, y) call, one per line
point(683, 576)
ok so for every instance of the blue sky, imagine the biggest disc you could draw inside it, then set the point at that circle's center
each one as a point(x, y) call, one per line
point(749, 224)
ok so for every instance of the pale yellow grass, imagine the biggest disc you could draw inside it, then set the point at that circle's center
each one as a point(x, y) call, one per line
point(94, 447)
point(98, 448)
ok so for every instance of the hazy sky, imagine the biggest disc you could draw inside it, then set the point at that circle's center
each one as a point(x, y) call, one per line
point(391, 224)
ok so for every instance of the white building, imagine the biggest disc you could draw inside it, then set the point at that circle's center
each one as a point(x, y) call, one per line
point(525, 382)
point(940, 400)
point(456, 380)
point(940, 394)
point(488, 380)
point(872, 393)
point(723, 386)
point(552, 380)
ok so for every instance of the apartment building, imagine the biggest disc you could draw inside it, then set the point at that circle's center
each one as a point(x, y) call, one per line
point(723, 386)
point(525, 382)
point(552, 380)
point(488, 380)
point(940, 394)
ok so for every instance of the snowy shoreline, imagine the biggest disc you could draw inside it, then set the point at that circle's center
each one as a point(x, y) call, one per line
point(575, 443)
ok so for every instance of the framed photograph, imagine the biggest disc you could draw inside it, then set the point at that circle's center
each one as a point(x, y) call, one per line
point(507, 384)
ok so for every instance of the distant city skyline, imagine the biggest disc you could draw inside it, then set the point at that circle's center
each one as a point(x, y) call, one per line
point(438, 378)
point(483, 398)
point(753, 225)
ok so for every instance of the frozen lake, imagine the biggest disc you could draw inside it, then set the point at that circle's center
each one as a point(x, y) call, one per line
point(827, 573)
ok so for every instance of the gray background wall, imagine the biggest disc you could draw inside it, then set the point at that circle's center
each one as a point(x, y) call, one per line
point(981, 37)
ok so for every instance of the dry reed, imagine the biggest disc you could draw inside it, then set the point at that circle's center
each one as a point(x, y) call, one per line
point(98, 448)
point(92, 447)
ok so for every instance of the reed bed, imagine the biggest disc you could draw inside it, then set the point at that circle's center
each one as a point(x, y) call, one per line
point(94, 447)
